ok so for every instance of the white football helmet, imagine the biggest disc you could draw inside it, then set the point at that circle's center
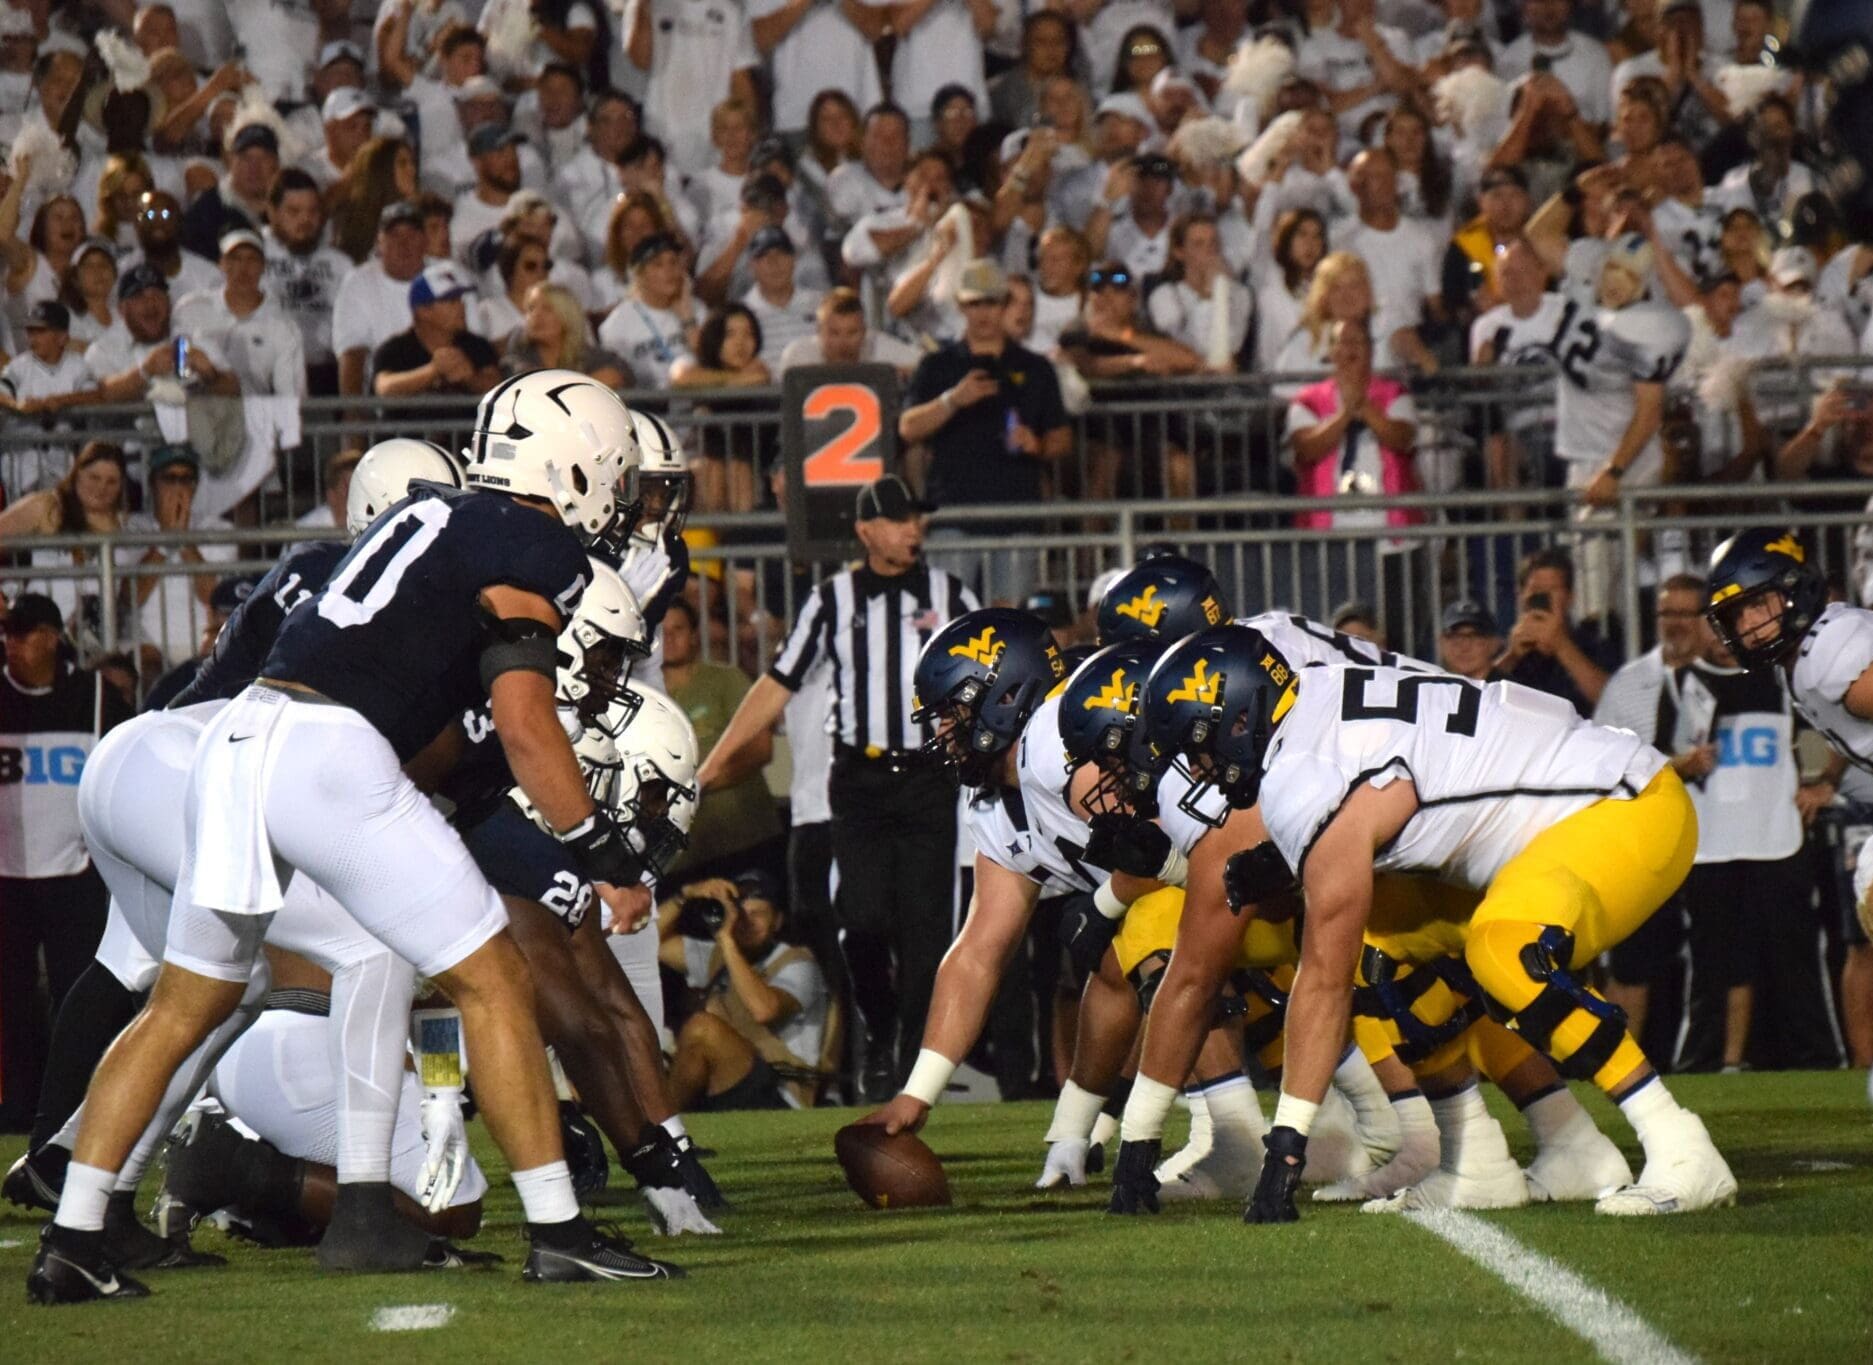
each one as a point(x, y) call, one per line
point(652, 791)
point(604, 639)
point(561, 436)
point(663, 484)
point(382, 478)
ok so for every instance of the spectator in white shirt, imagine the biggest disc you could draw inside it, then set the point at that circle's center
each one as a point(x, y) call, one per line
point(1183, 307)
point(652, 327)
point(1364, 66)
point(335, 479)
point(832, 140)
point(493, 150)
point(698, 53)
point(171, 608)
point(521, 265)
point(1299, 245)
point(715, 189)
point(1139, 234)
point(840, 337)
point(939, 43)
point(1579, 62)
point(261, 342)
point(159, 226)
point(137, 351)
point(589, 179)
point(1789, 324)
point(1403, 256)
point(35, 263)
point(405, 32)
point(552, 115)
point(303, 275)
point(86, 290)
point(45, 378)
point(634, 217)
point(460, 57)
point(812, 46)
point(785, 311)
point(1771, 182)
point(348, 118)
point(373, 302)
point(875, 181)
point(727, 267)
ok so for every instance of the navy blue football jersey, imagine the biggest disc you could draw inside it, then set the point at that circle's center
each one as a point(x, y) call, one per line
point(396, 631)
point(480, 778)
point(520, 859)
point(247, 638)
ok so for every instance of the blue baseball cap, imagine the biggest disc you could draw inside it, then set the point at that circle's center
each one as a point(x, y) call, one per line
point(439, 282)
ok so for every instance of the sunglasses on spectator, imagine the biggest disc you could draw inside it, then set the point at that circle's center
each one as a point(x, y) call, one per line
point(155, 215)
point(1109, 279)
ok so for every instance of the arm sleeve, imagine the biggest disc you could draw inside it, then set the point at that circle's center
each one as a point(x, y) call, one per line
point(802, 645)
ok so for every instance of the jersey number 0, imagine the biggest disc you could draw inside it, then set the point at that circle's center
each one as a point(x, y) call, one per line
point(368, 581)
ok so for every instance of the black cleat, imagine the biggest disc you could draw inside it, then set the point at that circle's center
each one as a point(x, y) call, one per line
point(446, 1255)
point(32, 1183)
point(71, 1268)
point(585, 1151)
point(368, 1236)
point(1096, 1158)
point(696, 1178)
point(129, 1245)
point(592, 1255)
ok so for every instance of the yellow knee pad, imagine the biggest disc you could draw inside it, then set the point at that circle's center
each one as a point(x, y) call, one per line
point(1527, 976)
point(1417, 1011)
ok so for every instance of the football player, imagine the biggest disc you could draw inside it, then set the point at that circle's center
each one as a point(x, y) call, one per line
point(1572, 834)
point(1769, 605)
point(303, 772)
point(982, 685)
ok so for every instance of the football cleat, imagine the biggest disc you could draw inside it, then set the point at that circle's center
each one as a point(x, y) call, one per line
point(130, 1245)
point(32, 1184)
point(1688, 1176)
point(696, 1178)
point(446, 1255)
point(64, 1273)
point(1583, 1163)
point(597, 1256)
point(367, 1236)
point(1499, 1185)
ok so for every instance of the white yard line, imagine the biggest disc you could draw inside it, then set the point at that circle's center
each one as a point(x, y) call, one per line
point(1618, 1333)
point(412, 1317)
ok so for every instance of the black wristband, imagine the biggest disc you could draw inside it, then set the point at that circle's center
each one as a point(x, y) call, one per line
point(602, 852)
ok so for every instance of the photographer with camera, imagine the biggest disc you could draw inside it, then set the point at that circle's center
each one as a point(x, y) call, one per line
point(757, 1041)
point(1546, 650)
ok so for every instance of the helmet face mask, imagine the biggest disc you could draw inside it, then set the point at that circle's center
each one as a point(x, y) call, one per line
point(1211, 708)
point(967, 752)
point(1765, 595)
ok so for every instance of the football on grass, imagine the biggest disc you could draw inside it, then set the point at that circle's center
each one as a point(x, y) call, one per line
point(890, 1171)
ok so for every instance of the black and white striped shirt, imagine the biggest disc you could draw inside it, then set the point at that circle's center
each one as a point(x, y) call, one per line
point(868, 630)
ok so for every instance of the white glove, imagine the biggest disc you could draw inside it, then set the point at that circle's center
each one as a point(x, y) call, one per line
point(1066, 1164)
point(675, 1211)
point(645, 569)
point(446, 1161)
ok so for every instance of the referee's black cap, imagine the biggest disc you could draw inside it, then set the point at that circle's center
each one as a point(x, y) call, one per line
point(890, 498)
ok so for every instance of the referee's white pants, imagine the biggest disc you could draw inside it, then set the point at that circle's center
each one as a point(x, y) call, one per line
point(281, 786)
point(277, 1080)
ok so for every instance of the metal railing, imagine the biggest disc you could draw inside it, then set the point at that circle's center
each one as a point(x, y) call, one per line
point(1204, 436)
point(748, 589)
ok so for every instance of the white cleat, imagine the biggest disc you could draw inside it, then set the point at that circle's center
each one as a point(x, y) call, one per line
point(1416, 1158)
point(1686, 1175)
point(674, 1212)
point(1499, 1185)
point(1584, 1165)
point(1228, 1170)
point(1065, 1165)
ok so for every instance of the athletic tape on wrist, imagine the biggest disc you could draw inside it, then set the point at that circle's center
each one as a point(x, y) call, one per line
point(1146, 1110)
point(1107, 902)
point(930, 1077)
point(1291, 1111)
point(1176, 869)
point(1075, 1113)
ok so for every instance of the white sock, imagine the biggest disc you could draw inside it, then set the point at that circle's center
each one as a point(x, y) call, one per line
point(674, 1127)
point(1648, 1108)
point(546, 1193)
point(562, 1087)
point(1202, 1124)
point(1550, 1117)
point(1354, 1079)
point(1465, 1131)
point(1076, 1113)
point(1232, 1107)
point(364, 1146)
point(1414, 1113)
point(1105, 1128)
point(81, 1203)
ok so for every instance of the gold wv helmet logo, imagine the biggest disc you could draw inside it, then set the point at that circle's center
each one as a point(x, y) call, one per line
point(1788, 545)
point(1201, 686)
point(1147, 608)
point(1116, 695)
point(983, 649)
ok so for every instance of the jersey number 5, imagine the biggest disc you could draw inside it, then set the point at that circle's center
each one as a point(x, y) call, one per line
point(368, 580)
point(1462, 721)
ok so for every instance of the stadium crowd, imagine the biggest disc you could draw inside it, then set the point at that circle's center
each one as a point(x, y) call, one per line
point(219, 209)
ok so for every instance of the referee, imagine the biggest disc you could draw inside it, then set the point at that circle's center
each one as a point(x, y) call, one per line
point(893, 810)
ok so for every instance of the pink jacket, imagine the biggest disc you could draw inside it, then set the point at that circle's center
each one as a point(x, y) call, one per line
point(1398, 471)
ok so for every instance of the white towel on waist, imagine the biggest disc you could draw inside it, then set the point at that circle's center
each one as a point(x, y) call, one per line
point(233, 870)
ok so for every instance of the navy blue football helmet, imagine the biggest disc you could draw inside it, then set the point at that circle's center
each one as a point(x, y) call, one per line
point(1163, 598)
point(1099, 724)
point(1753, 565)
point(1211, 704)
point(984, 673)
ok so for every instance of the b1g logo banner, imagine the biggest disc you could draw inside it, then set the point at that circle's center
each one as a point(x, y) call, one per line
point(838, 433)
point(37, 765)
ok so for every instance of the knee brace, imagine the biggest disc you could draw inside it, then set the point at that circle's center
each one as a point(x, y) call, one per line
point(1562, 1000)
point(1391, 993)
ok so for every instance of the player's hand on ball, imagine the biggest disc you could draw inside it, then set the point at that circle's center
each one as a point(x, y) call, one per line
point(902, 1115)
point(1273, 1200)
point(445, 1161)
point(1134, 1178)
point(1065, 1165)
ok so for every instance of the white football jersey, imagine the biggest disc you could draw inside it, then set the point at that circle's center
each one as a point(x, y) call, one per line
point(1837, 650)
point(1028, 828)
point(1493, 766)
point(1603, 353)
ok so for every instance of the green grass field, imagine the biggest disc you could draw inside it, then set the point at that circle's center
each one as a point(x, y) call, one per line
point(808, 1273)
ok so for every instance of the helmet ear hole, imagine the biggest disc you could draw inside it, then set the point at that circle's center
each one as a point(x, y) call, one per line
point(580, 484)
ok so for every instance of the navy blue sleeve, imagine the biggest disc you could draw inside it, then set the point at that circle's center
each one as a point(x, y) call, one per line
point(245, 641)
point(535, 554)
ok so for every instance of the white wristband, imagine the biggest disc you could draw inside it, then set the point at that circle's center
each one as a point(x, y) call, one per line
point(1291, 1111)
point(1176, 869)
point(1146, 1110)
point(1106, 901)
point(930, 1077)
point(1075, 1113)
